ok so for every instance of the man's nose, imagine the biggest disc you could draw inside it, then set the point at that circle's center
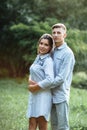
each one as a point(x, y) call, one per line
point(56, 34)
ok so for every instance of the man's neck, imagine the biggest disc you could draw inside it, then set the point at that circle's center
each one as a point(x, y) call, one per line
point(58, 44)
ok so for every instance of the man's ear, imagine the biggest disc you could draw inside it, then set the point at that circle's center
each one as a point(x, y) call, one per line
point(65, 35)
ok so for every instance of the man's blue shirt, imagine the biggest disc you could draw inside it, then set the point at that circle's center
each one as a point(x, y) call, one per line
point(64, 61)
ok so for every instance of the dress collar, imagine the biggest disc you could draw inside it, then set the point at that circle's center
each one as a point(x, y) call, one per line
point(43, 56)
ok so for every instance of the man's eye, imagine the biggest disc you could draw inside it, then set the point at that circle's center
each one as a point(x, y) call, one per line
point(58, 33)
point(53, 32)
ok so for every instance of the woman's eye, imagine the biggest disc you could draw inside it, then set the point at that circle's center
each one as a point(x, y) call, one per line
point(46, 45)
point(41, 43)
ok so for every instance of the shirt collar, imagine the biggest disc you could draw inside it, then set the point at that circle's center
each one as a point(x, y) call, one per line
point(62, 46)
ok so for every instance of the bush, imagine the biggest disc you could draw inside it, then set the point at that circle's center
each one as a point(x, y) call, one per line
point(20, 49)
point(80, 80)
point(76, 39)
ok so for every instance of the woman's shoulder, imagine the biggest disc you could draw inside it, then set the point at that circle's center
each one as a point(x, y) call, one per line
point(49, 60)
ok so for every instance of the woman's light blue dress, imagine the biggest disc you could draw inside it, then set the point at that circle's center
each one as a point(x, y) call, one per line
point(40, 102)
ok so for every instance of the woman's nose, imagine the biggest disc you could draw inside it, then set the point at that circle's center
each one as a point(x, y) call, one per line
point(42, 45)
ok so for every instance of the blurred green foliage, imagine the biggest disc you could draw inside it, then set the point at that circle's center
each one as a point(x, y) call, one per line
point(23, 22)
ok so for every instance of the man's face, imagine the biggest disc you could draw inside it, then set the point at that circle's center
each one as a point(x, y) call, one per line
point(58, 35)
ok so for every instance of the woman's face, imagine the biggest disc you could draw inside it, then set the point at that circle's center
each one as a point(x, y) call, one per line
point(44, 46)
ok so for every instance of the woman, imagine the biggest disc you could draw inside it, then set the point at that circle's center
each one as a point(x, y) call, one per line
point(41, 77)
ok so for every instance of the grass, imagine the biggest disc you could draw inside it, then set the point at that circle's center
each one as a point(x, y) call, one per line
point(78, 109)
point(13, 106)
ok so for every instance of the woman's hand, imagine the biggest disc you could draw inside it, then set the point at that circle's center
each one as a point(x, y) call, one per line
point(34, 88)
point(31, 82)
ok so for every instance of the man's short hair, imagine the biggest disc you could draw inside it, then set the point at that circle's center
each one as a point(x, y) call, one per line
point(59, 25)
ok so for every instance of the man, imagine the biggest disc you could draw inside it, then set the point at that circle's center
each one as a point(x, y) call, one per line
point(64, 61)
